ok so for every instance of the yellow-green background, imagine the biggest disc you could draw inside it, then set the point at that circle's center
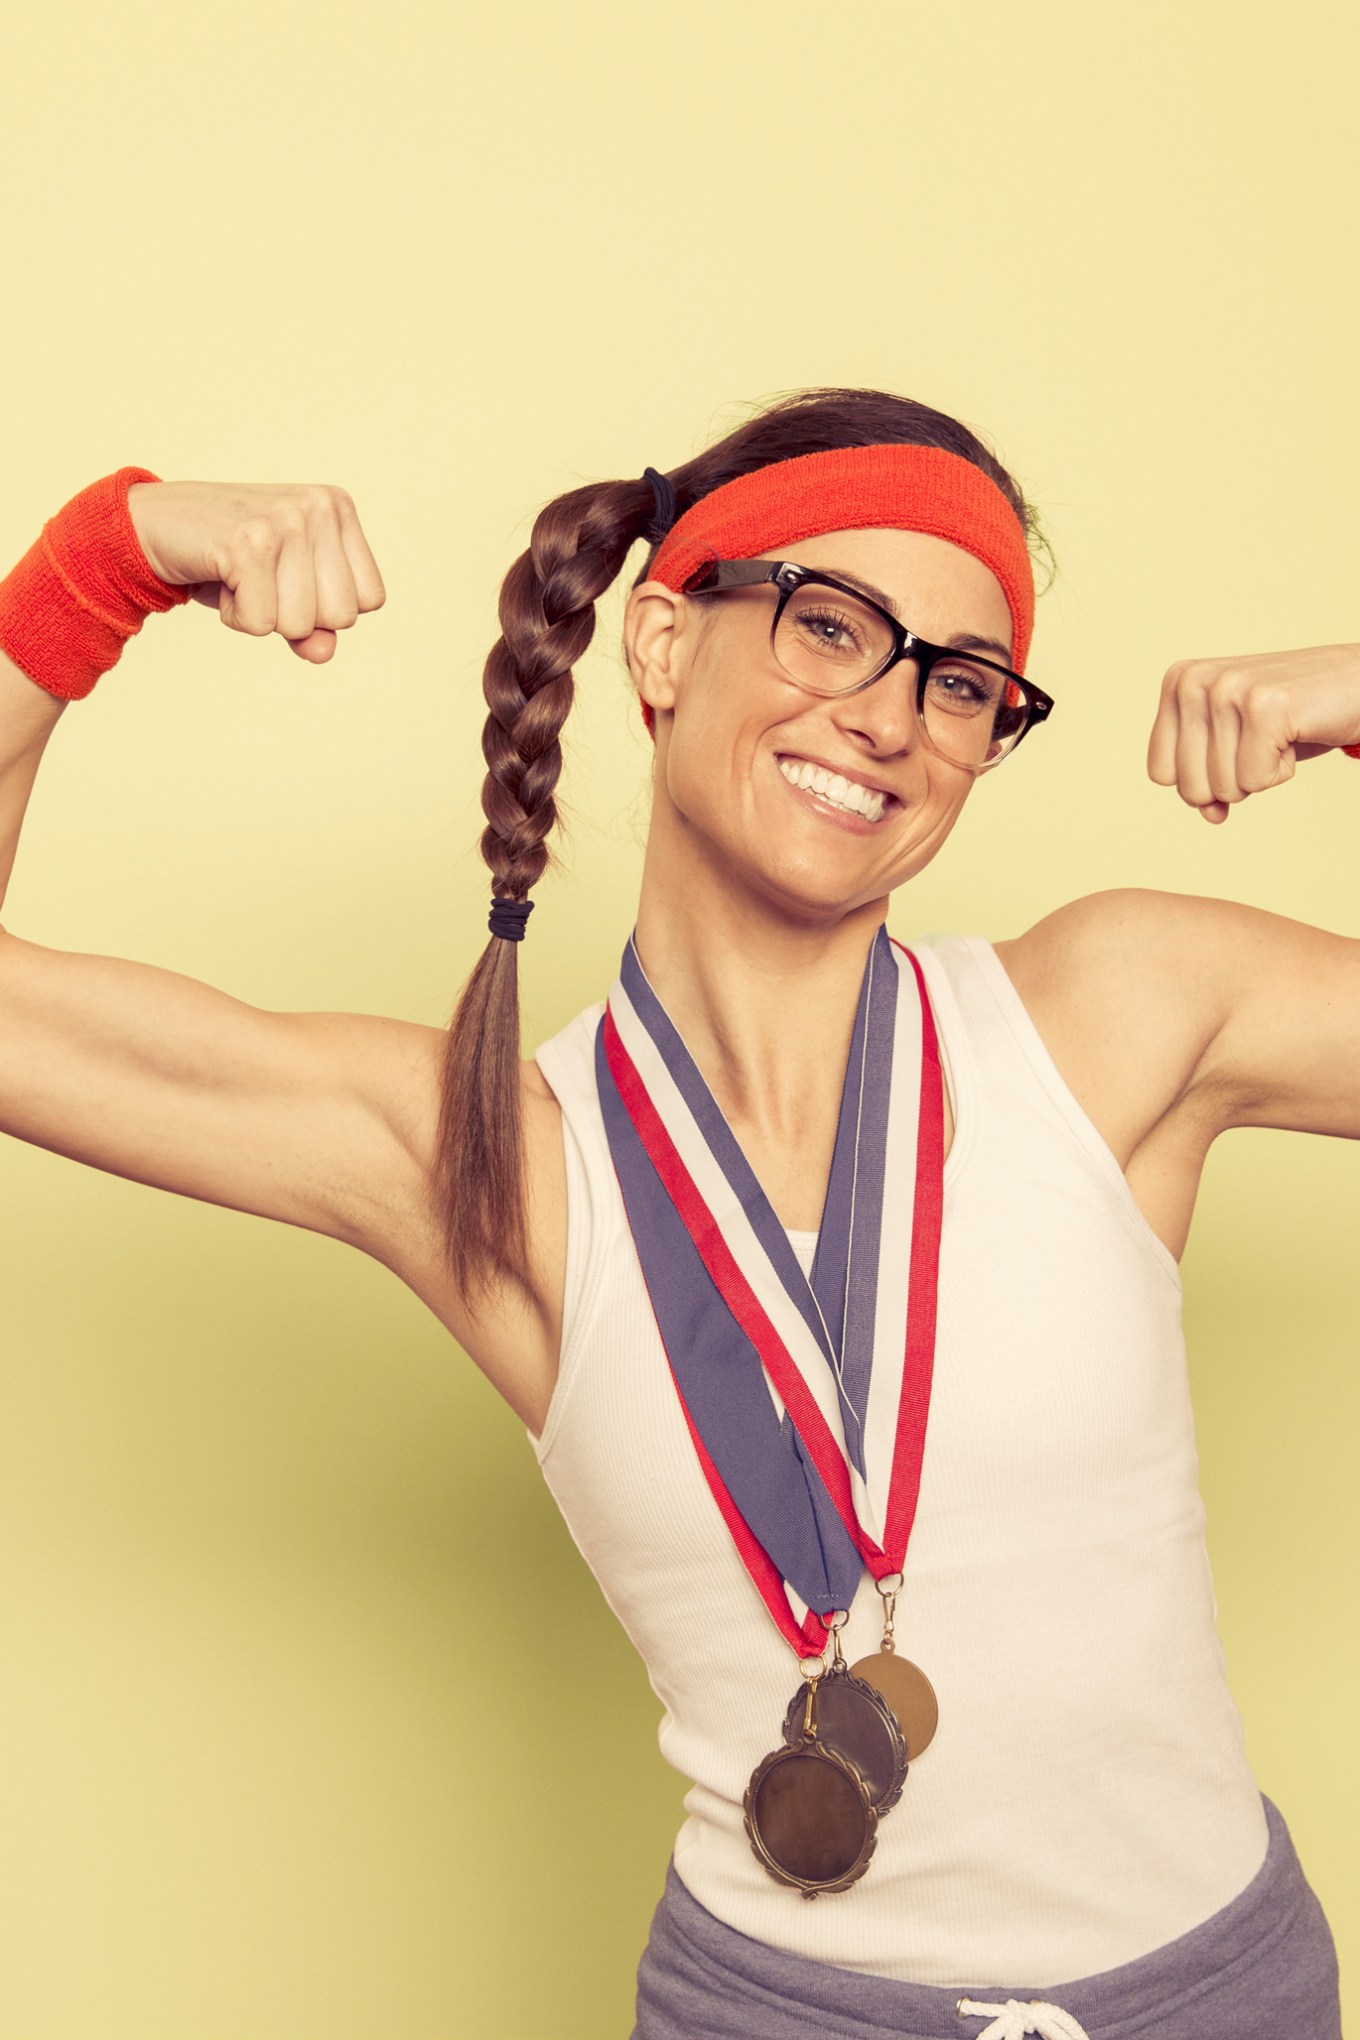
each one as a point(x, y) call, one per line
point(312, 1724)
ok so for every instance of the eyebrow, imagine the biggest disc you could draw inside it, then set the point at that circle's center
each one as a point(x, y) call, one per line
point(969, 641)
point(961, 641)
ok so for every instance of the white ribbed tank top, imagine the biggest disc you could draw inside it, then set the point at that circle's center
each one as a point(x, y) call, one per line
point(1087, 1796)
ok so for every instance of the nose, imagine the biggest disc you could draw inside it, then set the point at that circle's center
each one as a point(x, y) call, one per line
point(883, 715)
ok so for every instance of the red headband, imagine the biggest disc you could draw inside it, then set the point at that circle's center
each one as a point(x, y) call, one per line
point(906, 488)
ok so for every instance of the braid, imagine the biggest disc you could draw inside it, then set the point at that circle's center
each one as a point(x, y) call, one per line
point(547, 616)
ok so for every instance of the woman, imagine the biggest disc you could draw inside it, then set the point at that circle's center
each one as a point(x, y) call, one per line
point(836, 1282)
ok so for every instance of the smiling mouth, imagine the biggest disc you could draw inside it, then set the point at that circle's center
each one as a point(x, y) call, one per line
point(848, 796)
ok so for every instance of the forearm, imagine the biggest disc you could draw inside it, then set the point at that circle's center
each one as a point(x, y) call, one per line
point(291, 559)
point(67, 609)
point(28, 716)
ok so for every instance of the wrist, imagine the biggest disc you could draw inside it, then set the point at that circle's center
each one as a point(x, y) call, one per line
point(83, 588)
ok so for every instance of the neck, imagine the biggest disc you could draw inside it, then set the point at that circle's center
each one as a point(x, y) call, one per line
point(764, 1003)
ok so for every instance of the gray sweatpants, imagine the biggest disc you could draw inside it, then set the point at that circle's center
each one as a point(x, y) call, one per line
point(1264, 1968)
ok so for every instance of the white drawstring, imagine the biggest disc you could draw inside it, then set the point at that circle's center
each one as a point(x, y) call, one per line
point(1012, 2021)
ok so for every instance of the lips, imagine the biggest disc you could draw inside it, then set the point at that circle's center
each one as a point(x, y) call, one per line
point(847, 794)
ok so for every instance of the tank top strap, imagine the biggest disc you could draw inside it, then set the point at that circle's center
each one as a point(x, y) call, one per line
point(1003, 1080)
point(596, 1219)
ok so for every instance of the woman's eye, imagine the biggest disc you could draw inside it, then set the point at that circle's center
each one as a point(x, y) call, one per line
point(965, 685)
point(830, 629)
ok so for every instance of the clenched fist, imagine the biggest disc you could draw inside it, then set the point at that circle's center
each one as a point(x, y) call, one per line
point(285, 557)
point(1229, 727)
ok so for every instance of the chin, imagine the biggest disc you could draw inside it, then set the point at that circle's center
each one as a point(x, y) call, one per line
point(800, 894)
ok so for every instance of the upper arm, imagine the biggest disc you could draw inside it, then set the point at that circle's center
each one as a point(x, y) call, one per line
point(317, 1119)
point(1243, 1017)
point(1287, 1053)
point(323, 1120)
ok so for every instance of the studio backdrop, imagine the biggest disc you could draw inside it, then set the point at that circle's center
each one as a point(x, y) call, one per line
point(313, 1725)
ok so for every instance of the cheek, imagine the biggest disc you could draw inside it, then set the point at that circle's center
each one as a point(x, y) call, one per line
point(943, 814)
point(714, 736)
point(697, 765)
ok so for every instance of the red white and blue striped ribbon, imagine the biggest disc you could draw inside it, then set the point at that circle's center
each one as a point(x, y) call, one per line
point(806, 1398)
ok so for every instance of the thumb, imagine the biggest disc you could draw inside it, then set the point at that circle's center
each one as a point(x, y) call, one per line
point(316, 647)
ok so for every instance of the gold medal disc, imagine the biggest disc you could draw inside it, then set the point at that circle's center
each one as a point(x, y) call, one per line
point(810, 1818)
point(907, 1691)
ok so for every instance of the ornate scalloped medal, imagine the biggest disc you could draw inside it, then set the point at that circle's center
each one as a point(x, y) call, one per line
point(810, 1815)
point(861, 1725)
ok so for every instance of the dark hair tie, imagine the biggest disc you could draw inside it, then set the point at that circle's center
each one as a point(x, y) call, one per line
point(663, 499)
point(508, 917)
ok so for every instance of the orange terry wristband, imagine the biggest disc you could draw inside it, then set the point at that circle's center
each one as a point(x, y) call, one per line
point(83, 588)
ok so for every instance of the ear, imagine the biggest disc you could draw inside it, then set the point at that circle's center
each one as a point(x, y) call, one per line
point(657, 627)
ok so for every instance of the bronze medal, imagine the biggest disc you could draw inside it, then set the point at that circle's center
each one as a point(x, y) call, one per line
point(908, 1693)
point(809, 1814)
point(858, 1722)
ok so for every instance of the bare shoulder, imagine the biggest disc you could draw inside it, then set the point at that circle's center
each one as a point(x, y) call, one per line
point(1172, 1017)
point(1130, 989)
point(1193, 963)
point(1183, 952)
point(1109, 929)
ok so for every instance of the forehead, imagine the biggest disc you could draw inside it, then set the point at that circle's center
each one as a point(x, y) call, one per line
point(936, 588)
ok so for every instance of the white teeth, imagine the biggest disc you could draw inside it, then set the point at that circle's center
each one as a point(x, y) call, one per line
point(834, 788)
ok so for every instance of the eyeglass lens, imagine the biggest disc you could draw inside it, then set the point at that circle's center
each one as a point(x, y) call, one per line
point(829, 642)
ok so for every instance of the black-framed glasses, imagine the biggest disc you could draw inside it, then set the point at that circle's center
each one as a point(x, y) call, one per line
point(831, 640)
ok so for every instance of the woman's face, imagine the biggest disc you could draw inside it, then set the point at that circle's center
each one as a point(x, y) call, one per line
point(730, 726)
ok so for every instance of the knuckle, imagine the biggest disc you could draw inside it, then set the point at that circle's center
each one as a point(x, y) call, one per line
point(249, 626)
point(1267, 698)
point(297, 620)
point(255, 538)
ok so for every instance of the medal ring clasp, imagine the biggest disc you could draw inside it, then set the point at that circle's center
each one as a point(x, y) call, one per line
point(889, 1587)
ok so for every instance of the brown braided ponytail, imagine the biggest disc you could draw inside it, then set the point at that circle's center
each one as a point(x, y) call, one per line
point(577, 548)
point(547, 616)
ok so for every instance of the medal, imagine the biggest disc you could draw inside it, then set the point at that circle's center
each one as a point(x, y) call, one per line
point(809, 1814)
point(908, 1692)
point(861, 1724)
point(903, 1685)
point(806, 1397)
